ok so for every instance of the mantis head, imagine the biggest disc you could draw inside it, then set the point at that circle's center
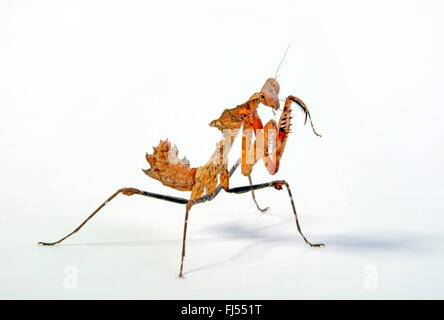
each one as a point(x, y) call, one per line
point(270, 93)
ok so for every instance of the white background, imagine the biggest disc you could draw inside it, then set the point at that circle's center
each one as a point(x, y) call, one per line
point(87, 87)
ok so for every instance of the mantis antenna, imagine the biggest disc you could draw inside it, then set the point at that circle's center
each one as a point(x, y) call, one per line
point(277, 70)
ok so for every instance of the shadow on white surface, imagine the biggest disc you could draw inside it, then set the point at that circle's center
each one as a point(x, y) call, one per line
point(265, 239)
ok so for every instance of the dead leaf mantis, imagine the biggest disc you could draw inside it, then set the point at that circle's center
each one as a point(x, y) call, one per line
point(202, 181)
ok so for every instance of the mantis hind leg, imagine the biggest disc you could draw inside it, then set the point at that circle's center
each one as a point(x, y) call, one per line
point(132, 191)
point(127, 192)
point(188, 208)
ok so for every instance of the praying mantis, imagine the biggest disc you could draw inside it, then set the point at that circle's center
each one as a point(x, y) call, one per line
point(206, 182)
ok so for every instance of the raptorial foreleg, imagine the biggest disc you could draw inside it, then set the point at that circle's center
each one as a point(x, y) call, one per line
point(271, 139)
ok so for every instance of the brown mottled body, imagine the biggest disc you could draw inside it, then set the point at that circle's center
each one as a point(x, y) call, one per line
point(206, 181)
point(169, 169)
